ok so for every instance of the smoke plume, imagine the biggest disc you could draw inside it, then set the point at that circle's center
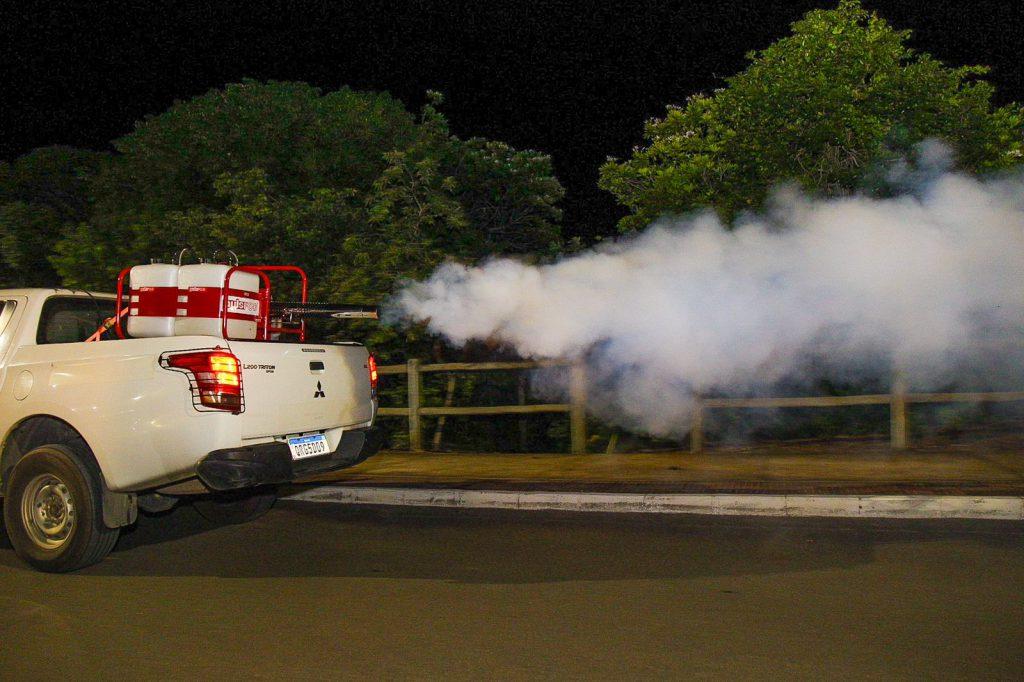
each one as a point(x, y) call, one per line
point(690, 307)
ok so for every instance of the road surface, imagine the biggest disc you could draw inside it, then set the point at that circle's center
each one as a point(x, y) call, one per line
point(322, 591)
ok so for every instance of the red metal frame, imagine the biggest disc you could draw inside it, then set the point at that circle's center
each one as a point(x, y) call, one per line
point(120, 295)
point(265, 297)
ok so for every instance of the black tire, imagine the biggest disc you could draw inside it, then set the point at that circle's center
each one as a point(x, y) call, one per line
point(56, 484)
point(234, 507)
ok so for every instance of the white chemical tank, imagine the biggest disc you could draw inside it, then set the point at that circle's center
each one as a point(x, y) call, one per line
point(153, 299)
point(201, 296)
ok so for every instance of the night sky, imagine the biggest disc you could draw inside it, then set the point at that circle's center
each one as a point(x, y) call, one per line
point(574, 79)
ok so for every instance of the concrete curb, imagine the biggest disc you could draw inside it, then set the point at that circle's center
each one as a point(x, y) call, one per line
point(853, 506)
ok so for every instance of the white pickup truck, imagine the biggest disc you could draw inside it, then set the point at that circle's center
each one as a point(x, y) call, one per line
point(93, 431)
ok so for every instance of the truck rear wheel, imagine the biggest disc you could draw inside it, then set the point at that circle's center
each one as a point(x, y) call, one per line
point(239, 506)
point(53, 511)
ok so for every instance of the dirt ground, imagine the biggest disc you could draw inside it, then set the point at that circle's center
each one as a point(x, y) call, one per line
point(990, 465)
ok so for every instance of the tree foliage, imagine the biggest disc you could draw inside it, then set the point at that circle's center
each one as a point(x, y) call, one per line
point(825, 107)
point(348, 185)
point(41, 193)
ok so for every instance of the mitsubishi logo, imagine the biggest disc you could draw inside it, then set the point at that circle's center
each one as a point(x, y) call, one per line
point(319, 391)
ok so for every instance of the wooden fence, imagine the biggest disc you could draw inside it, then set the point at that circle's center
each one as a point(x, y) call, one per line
point(414, 370)
point(898, 399)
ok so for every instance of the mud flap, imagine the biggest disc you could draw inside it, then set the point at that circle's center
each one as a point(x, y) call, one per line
point(119, 509)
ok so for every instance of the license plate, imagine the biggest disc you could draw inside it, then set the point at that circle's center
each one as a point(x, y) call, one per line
point(308, 446)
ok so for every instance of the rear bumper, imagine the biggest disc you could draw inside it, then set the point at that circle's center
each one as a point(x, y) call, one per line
point(271, 463)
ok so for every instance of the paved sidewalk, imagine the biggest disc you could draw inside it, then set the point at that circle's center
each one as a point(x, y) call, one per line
point(983, 467)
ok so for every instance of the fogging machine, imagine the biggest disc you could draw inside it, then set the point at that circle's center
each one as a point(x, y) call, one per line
point(229, 300)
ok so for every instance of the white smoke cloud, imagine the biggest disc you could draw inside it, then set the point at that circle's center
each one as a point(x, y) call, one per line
point(689, 307)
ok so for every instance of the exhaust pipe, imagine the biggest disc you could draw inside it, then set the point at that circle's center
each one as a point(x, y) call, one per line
point(295, 312)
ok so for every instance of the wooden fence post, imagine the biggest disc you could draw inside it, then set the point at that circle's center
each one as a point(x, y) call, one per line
point(697, 427)
point(578, 408)
point(415, 432)
point(613, 442)
point(449, 397)
point(898, 413)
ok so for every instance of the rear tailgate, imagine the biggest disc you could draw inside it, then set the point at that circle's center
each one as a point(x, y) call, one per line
point(297, 388)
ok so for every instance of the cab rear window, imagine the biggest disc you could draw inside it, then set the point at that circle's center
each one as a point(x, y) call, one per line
point(67, 319)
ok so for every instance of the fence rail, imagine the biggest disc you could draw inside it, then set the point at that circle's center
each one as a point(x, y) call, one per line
point(897, 399)
point(414, 370)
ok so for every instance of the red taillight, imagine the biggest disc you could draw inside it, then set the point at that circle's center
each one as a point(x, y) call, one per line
point(215, 377)
point(371, 364)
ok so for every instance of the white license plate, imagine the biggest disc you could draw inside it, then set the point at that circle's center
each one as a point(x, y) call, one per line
point(308, 446)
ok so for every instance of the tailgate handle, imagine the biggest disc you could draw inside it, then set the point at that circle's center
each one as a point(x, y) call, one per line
point(316, 366)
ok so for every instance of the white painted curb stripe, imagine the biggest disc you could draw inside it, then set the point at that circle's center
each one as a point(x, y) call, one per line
point(859, 506)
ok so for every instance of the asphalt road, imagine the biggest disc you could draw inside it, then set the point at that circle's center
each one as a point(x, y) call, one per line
point(314, 591)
